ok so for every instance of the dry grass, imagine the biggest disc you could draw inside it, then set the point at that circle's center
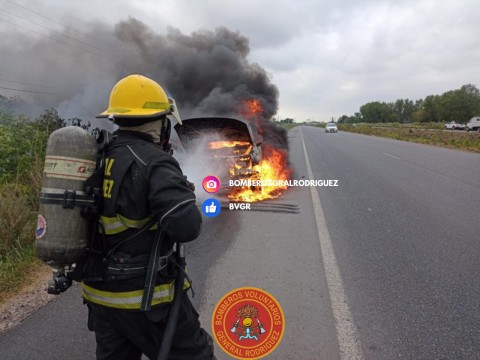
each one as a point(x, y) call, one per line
point(15, 306)
point(469, 141)
point(17, 229)
point(17, 219)
point(18, 213)
point(17, 270)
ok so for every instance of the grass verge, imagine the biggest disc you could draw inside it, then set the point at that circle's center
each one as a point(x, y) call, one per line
point(18, 262)
point(18, 268)
point(288, 126)
point(462, 140)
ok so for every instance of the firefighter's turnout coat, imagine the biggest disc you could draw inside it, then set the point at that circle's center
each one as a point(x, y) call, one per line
point(141, 183)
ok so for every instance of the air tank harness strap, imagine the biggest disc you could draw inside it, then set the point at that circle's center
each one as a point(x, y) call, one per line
point(65, 197)
point(122, 268)
point(136, 267)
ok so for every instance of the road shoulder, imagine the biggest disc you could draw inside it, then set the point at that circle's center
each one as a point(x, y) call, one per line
point(19, 306)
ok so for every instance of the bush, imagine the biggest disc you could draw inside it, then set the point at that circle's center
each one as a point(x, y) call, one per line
point(17, 219)
point(22, 151)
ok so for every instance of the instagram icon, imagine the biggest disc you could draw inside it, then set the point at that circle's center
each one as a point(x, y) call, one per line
point(211, 184)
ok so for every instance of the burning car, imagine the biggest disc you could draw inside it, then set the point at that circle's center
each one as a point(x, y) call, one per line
point(233, 144)
point(235, 150)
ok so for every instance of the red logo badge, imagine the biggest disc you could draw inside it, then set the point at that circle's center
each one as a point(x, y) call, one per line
point(41, 227)
point(248, 323)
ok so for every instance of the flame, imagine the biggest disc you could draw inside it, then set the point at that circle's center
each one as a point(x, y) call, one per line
point(251, 108)
point(229, 148)
point(272, 167)
point(254, 106)
point(214, 145)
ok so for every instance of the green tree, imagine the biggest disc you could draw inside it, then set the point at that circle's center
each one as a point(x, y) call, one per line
point(421, 116)
point(430, 107)
point(49, 121)
point(23, 142)
point(403, 110)
point(286, 121)
point(375, 112)
point(459, 105)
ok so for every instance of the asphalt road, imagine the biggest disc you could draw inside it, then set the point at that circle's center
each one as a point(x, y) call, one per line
point(405, 224)
point(404, 230)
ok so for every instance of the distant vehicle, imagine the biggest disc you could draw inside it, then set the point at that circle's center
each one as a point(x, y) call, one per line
point(474, 124)
point(331, 127)
point(453, 125)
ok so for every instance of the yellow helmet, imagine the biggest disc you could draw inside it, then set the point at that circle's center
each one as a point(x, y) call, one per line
point(137, 96)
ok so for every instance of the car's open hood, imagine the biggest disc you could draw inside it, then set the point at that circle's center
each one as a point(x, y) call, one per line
point(228, 129)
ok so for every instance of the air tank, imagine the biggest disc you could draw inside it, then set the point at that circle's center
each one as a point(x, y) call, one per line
point(61, 234)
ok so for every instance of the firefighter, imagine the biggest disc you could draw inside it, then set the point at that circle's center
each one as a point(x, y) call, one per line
point(147, 202)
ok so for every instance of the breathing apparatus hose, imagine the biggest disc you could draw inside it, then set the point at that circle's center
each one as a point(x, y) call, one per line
point(175, 309)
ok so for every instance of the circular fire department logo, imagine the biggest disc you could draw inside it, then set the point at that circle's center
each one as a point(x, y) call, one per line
point(41, 227)
point(248, 323)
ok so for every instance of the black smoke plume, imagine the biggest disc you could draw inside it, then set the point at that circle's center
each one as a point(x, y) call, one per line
point(207, 72)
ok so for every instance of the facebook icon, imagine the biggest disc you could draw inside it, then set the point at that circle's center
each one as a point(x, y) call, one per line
point(211, 207)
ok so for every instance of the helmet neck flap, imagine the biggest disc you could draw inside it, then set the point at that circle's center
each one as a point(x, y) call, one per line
point(159, 129)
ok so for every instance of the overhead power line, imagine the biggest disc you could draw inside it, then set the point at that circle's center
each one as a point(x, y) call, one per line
point(55, 39)
point(25, 83)
point(29, 91)
point(56, 21)
point(49, 29)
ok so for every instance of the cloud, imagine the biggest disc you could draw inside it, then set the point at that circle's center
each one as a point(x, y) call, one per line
point(380, 51)
point(325, 58)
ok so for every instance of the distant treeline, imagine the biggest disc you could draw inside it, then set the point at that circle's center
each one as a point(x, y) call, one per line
point(455, 105)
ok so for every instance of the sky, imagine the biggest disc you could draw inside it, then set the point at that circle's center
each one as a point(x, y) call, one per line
point(316, 59)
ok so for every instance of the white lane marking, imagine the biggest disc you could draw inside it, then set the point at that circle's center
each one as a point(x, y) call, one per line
point(392, 156)
point(347, 336)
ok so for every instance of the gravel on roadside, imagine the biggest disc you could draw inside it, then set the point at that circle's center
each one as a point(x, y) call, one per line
point(27, 300)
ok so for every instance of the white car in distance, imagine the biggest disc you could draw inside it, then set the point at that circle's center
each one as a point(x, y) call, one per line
point(331, 128)
point(453, 125)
